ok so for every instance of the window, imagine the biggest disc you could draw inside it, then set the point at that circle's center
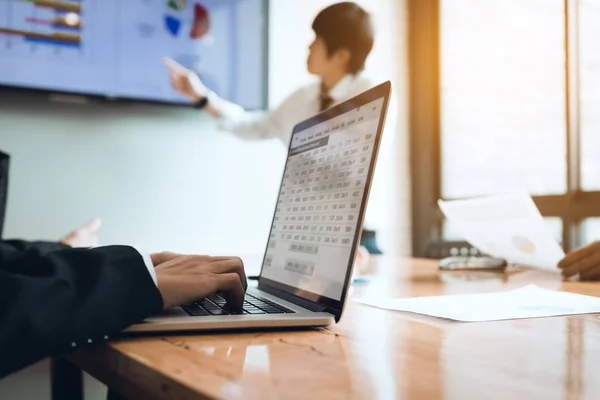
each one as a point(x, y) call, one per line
point(502, 97)
point(590, 230)
point(589, 44)
point(511, 103)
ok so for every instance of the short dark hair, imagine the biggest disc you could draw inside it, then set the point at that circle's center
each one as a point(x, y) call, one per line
point(346, 26)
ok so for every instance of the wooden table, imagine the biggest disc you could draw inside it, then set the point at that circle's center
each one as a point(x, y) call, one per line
point(373, 353)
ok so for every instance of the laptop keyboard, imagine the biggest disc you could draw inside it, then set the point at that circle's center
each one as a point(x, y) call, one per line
point(217, 305)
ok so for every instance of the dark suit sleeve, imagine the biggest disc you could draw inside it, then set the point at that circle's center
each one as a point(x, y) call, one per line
point(67, 298)
point(11, 251)
point(40, 246)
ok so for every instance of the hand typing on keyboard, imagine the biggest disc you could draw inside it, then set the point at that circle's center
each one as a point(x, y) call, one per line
point(183, 278)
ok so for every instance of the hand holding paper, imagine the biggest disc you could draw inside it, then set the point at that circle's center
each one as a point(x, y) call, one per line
point(584, 261)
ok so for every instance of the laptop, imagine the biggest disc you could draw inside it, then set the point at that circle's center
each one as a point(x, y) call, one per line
point(315, 231)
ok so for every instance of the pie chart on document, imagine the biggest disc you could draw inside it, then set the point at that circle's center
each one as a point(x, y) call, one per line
point(524, 244)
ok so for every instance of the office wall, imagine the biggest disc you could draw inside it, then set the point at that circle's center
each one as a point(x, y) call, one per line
point(165, 178)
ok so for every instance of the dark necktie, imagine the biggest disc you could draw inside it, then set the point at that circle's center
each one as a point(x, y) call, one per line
point(325, 101)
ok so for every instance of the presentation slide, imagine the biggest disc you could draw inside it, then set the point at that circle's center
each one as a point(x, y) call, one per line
point(114, 48)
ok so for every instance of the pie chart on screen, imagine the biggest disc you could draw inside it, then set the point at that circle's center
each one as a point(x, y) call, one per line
point(524, 244)
point(201, 23)
point(173, 25)
point(176, 5)
point(200, 19)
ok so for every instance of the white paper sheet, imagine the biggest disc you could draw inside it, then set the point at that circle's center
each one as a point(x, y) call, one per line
point(509, 227)
point(526, 302)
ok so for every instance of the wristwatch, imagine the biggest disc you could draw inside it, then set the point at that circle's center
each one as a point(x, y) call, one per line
point(200, 104)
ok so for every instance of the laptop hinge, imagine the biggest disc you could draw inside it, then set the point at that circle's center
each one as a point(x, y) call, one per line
point(309, 305)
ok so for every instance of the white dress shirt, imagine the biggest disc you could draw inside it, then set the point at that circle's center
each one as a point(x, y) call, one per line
point(279, 122)
point(149, 264)
point(300, 105)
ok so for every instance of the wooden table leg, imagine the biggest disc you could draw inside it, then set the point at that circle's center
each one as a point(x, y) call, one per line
point(66, 380)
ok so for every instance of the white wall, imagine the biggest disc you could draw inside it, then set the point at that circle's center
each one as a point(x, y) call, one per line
point(150, 173)
point(164, 178)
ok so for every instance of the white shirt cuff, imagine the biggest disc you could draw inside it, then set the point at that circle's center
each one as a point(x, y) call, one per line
point(148, 262)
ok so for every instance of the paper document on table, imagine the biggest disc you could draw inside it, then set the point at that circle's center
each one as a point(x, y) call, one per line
point(509, 227)
point(527, 302)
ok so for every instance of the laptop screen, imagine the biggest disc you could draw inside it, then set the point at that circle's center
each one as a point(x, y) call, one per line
point(318, 216)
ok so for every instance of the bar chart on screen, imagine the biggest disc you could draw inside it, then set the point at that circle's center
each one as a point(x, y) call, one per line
point(42, 29)
point(114, 48)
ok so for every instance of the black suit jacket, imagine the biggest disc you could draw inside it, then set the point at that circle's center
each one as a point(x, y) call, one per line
point(54, 299)
point(52, 303)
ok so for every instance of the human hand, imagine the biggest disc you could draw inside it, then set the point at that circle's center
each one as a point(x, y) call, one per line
point(361, 260)
point(584, 261)
point(84, 236)
point(185, 81)
point(183, 278)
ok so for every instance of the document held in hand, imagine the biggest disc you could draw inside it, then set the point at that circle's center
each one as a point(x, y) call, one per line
point(509, 227)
